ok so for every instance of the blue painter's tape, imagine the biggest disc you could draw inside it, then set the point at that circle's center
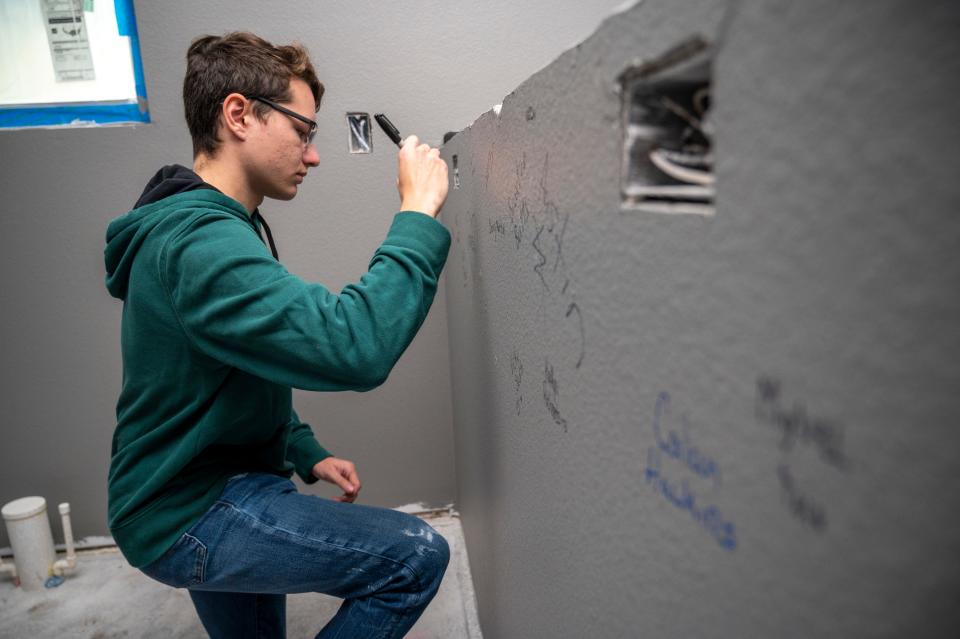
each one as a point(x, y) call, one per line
point(59, 115)
point(128, 27)
point(124, 11)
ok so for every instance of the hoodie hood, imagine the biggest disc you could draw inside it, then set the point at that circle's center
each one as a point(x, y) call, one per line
point(170, 180)
point(126, 233)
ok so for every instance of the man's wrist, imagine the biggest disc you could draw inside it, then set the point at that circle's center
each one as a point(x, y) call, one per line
point(409, 205)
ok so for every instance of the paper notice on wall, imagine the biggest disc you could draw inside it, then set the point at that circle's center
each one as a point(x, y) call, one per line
point(67, 35)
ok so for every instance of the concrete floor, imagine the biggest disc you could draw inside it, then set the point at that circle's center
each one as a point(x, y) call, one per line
point(105, 598)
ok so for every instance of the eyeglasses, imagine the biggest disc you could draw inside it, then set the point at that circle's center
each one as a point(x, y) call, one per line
point(305, 138)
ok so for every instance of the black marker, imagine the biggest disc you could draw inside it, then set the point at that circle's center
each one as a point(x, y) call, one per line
point(387, 127)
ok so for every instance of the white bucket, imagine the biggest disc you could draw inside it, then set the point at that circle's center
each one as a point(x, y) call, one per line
point(29, 531)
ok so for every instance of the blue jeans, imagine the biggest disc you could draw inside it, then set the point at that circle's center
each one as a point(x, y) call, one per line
point(263, 539)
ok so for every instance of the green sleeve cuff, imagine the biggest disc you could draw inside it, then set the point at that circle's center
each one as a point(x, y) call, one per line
point(304, 454)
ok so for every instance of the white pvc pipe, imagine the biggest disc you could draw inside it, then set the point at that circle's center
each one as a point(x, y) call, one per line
point(31, 540)
point(68, 562)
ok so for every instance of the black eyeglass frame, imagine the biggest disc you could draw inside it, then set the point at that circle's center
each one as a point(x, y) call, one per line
point(293, 114)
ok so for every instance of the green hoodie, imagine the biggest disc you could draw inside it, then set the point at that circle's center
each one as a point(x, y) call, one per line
point(214, 334)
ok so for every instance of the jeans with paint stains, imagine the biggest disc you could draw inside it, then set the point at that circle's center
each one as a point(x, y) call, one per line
point(263, 539)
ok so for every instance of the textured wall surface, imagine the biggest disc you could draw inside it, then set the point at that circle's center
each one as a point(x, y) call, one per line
point(431, 66)
point(742, 425)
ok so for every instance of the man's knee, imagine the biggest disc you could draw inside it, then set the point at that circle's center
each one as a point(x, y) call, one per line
point(441, 558)
point(432, 554)
point(436, 561)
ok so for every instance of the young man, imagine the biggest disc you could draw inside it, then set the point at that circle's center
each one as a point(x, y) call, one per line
point(216, 332)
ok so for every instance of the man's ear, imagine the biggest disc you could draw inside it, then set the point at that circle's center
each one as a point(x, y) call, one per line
point(237, 113)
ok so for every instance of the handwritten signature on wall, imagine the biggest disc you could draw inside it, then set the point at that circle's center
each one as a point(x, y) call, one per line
point(679, 448)
point(797, 426)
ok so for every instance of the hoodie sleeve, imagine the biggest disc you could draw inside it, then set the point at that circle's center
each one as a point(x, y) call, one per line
point(303, 450)
point(239, 306)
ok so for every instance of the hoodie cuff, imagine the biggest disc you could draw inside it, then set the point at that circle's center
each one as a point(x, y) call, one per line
point(304, 455)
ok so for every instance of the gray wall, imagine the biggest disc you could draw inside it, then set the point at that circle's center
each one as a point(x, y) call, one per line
point(432, 66)
point(807, 336)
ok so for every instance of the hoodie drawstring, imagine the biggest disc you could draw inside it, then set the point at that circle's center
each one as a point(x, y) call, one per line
point(273, 247)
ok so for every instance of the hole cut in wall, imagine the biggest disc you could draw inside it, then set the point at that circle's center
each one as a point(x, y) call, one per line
point(667, 164)
point(359, 139)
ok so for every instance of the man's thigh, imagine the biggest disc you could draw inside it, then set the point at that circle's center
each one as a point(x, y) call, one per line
point(262, 536)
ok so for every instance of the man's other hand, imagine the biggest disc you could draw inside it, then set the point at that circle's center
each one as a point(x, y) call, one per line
point(341, 472)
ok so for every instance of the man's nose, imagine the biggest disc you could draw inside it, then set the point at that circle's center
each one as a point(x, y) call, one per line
point(311, 157)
